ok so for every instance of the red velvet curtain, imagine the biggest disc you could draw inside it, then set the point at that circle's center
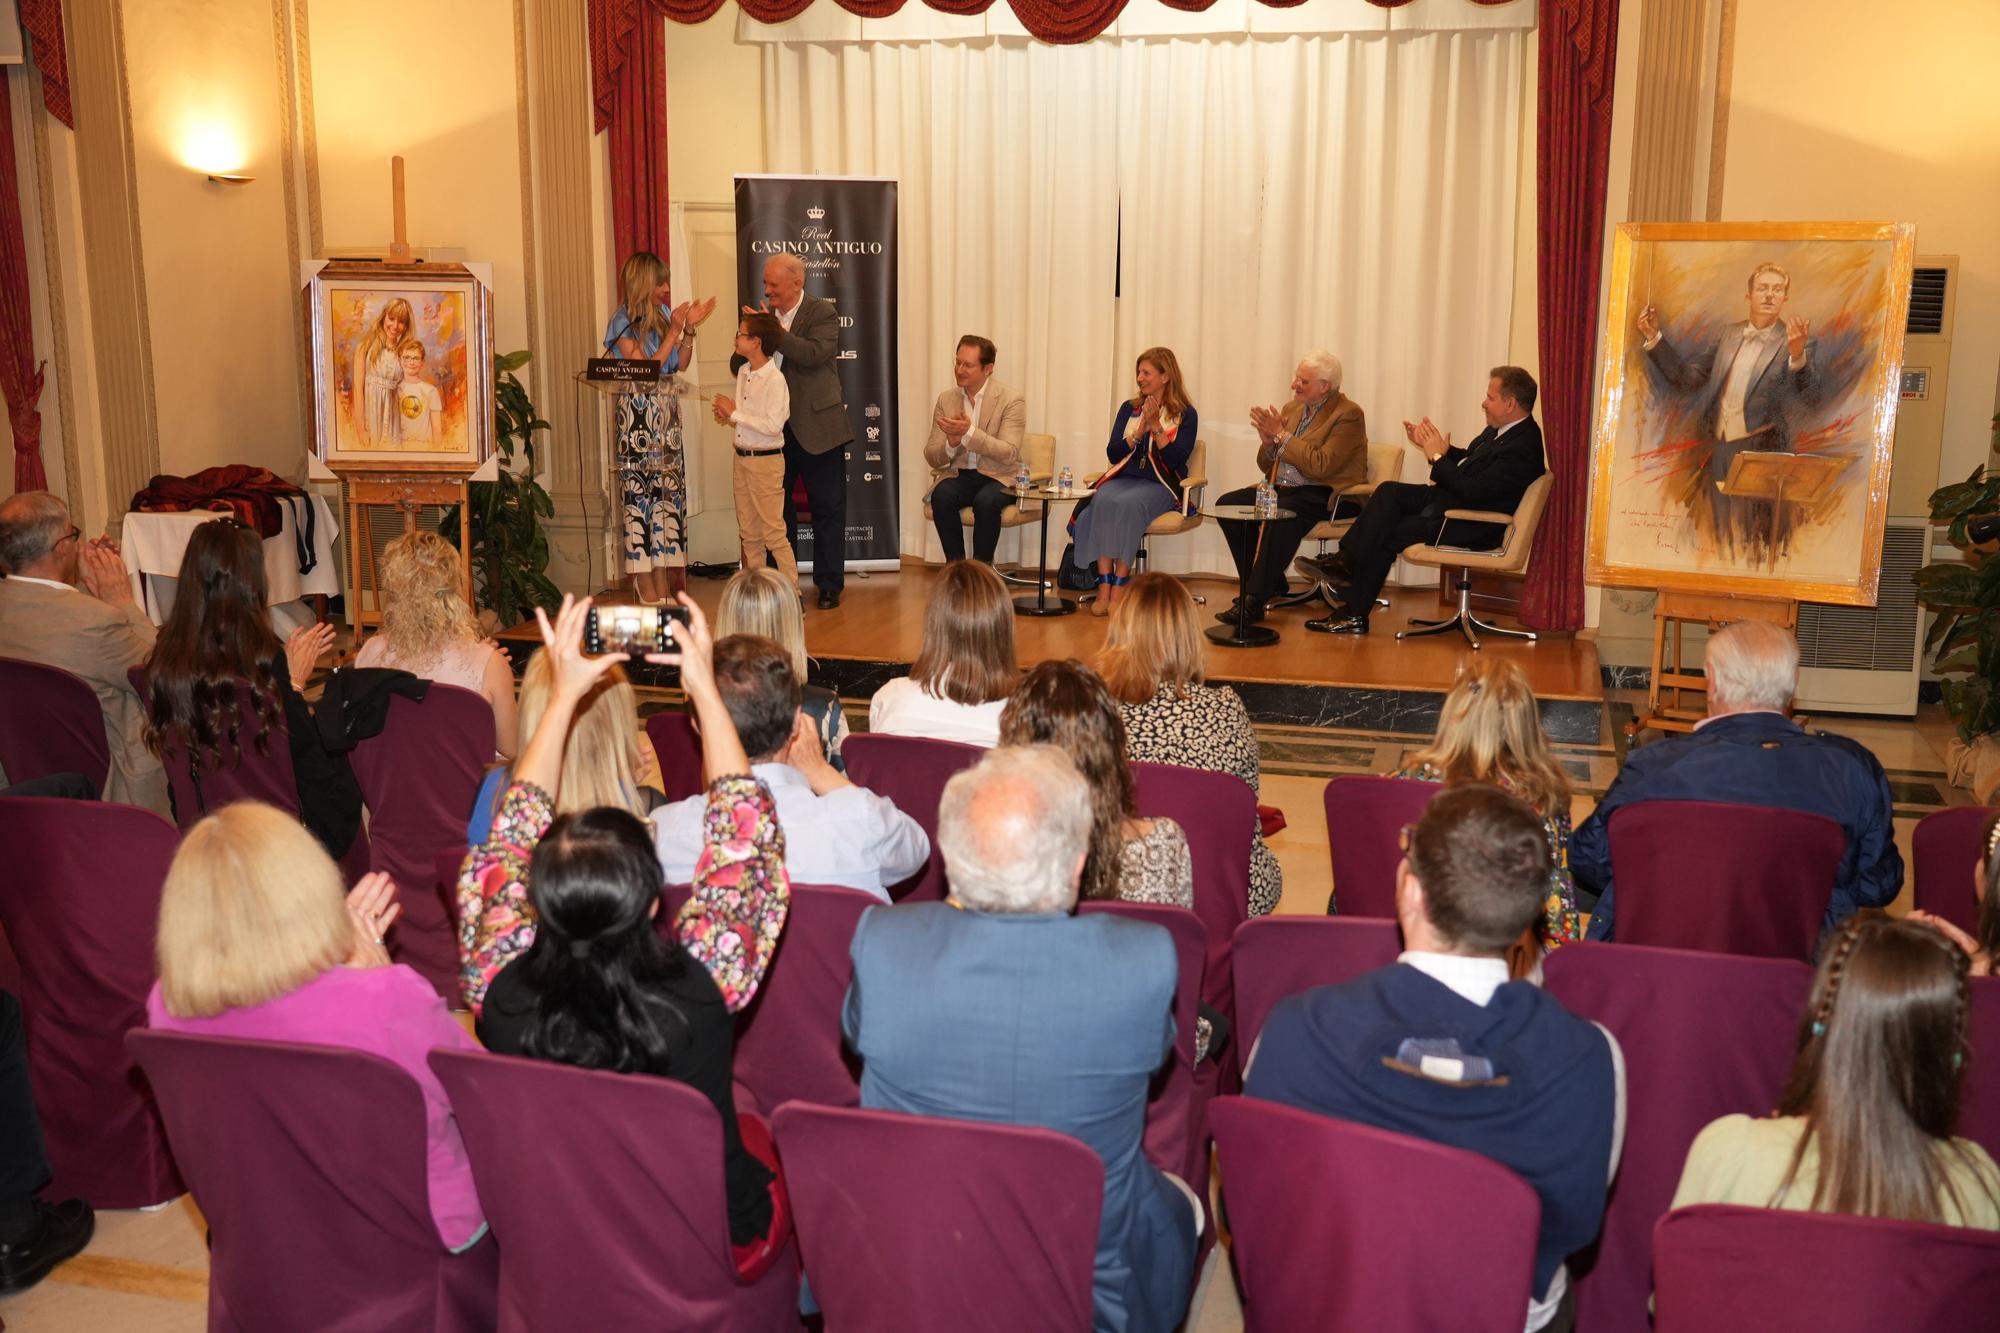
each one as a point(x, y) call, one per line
point(639, 142)
point(20, 374)
point(42, 20)
point(1579, 45)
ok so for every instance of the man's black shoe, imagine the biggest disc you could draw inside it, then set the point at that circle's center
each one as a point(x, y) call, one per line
point(1253, 613)
point(828, 599)
point(60, 1232)
point(1329, 572)
point(1339, 623)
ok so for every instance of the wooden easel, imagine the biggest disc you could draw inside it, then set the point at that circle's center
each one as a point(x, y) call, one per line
point(1674, 611)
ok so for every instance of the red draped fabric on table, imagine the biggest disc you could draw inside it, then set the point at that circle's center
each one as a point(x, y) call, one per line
point(20, 374)
point(1579, 45)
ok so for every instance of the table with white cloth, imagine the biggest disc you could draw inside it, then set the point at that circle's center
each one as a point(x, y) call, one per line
point(153, 544)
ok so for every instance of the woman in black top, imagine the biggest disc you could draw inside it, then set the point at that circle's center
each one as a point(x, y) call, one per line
point(218, 636)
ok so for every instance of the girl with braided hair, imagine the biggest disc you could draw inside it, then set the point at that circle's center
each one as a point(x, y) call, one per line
point(1866, 1122)
point(1982, 946)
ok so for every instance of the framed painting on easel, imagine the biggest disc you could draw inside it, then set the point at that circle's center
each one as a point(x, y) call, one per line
point(1747, 408)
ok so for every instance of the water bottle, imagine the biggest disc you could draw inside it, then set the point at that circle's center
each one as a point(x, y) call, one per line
point(1065, 482)
point(1022, 480)
point(1267, 500)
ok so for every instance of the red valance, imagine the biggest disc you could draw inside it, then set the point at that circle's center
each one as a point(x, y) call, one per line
point(42, 20)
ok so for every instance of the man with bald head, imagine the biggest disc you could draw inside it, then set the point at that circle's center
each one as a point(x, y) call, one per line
point(819, 431)
point(96, 631)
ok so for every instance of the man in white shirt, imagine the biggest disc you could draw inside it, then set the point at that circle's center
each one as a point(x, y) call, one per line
point(835, 832)
point(974, 450)
point(762, 405)
point(1749, 391)
point(98, 634)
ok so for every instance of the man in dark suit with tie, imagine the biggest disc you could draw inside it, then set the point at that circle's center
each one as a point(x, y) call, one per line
point(819, 430)
point(1490, 473)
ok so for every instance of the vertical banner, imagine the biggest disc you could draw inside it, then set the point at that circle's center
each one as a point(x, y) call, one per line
point(844, 228)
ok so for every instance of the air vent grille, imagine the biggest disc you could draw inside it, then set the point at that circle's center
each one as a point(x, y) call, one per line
point(1927, 300)
point(1870, 638)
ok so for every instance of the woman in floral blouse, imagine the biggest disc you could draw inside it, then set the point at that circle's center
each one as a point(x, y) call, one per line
point(1490, 731)
point(562, 960)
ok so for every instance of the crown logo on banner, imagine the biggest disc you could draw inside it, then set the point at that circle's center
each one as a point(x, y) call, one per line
point(815, 212)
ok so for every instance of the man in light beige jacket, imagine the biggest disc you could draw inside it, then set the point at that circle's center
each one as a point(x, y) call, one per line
point(98, 634)
point(975, 445)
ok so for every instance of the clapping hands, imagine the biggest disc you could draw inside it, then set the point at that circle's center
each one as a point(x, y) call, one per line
point(1427, 437)
point(304, 648)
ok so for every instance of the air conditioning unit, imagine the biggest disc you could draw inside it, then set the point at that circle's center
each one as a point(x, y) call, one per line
point(1861, 659)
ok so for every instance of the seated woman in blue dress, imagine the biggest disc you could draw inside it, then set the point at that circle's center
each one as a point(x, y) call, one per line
point(1150, 444)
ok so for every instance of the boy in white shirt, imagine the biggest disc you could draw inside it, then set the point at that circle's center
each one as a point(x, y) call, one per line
point(418, 404)
point(758, 411)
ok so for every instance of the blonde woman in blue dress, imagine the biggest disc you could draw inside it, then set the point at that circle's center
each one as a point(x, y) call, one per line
point(374, 377)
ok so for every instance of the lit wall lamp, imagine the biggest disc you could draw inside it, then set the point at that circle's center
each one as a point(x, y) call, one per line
point(228, 178)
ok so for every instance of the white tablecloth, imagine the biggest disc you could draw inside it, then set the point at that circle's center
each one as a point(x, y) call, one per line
point(153, 545)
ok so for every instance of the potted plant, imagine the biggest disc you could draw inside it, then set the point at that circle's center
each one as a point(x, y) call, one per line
point(1964, 639)
point(510, 547)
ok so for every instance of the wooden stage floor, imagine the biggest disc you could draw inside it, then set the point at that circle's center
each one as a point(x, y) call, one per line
point(1304, 679)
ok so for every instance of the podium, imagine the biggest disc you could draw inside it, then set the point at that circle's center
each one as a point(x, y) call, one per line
point(1780, 480)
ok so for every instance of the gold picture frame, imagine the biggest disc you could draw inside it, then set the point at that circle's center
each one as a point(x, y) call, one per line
point(1740, 360)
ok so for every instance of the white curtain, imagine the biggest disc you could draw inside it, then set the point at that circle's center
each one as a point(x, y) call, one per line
point(1240, 199)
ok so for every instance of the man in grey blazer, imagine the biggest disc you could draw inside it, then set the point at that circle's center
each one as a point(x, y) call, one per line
point(976, 434)
point(819, 431)
point(98, 634)
point(1002, 1006)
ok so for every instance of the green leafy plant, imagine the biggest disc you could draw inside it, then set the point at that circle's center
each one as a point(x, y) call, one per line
point(1964, 640)
point(510, 547)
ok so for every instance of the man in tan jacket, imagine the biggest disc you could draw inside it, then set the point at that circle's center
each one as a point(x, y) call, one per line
point(975, 445)
point(1311, 449)
point(98, 634)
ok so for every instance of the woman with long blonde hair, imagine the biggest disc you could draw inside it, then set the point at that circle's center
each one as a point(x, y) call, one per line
point(965, 666)
point(764, 603)
point(429, 631)
point(1152, 439)
point(1490, 731)
point(373, 375)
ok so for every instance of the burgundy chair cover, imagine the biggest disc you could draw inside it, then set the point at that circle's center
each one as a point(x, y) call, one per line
point(678, 747)
point(1177, 1110)
point(1278, 956)
point(310, 1165)
point(1704, 1035)
point(80, 898)
point(911, 771)
point(1724, 878)
point(788, 1042)
point(1723, 1269)
point(907, 1222)
point(1979, 1105)
point(419, 778)
point(1364, 820)
point(1944, 849)
point(50, 722)
point(605, 1193)
point(1217, 811)
point(1338, 1225)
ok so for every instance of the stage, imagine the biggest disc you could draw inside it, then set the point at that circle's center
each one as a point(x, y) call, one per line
point(1373, 683)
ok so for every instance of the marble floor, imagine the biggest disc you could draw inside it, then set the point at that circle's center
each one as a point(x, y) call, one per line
point(149, 1270)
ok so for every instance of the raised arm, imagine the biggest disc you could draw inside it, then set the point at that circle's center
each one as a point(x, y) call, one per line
point(814, 338)
point(1003, 443)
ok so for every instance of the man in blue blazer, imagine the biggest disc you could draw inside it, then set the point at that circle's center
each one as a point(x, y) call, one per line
point(1747, 751)
point(1000, 1005)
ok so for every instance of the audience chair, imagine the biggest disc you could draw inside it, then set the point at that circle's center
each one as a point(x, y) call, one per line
point(50, 722)
point(677, 745)
point(1177, 1110)
point(1277, 956)
point(1703, 1035)
point(1510, 557)
point(1944, 849)
point(310, 1164)
point(606, 1197)
point(1218, 812)
point(1365, 817)
point(419, 778)
point(911, 771)
point(1724, 878)
point(1039, 452)
point(1337, 1225)
point(788, 1041)
point(910, 1222)
point(80, 899)
point(1723, 1269)
point(1979, 1111)
point(1385, 463)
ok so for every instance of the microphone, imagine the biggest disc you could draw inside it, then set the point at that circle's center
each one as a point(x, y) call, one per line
point(1983, 529)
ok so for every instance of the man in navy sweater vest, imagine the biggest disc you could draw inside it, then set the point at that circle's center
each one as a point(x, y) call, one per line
point(1441, 1045)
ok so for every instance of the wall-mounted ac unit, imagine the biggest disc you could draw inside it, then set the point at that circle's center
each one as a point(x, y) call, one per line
point(1859, 659)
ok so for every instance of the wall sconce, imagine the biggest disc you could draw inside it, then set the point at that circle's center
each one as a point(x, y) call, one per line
point(225, 178)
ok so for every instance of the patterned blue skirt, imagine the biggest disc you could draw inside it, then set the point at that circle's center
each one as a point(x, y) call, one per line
point(652, 480)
